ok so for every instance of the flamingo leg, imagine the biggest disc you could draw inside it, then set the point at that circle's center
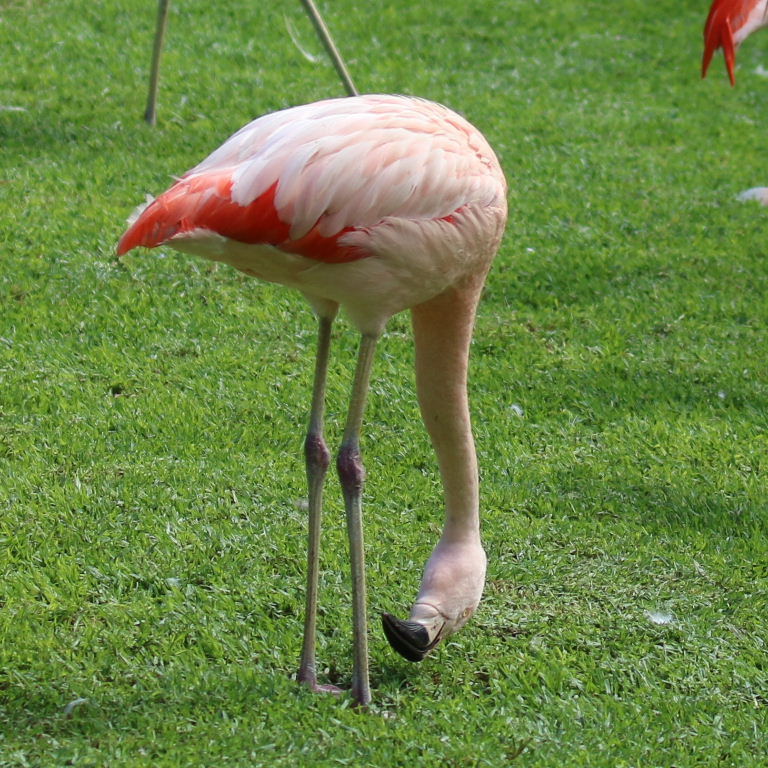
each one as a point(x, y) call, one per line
point(317, 459)
point(352, 474)
point(150, 114)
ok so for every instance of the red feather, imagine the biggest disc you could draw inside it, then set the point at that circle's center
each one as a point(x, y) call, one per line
point(205, 202)
point(726, 17)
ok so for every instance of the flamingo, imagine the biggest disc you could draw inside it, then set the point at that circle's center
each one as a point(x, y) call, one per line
point(375, 204)
point(728, 24)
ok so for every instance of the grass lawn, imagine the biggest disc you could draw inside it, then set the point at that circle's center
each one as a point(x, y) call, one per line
point(152, 411)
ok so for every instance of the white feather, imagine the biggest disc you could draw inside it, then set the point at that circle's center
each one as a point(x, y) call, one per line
point(139, 209)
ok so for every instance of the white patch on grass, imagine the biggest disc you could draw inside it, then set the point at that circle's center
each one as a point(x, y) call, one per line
point(662, 618)
point(760, 194)
point(73, 705)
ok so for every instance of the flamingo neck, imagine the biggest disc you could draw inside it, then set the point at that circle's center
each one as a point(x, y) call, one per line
point(442, 332)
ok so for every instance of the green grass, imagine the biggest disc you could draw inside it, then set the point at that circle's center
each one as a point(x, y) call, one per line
point(151, 412)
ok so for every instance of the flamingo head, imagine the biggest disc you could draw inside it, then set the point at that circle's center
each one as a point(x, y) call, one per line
point(729, 23)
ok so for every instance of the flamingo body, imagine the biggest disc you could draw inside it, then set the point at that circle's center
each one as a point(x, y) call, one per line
point(728, 24)
point(375, 204)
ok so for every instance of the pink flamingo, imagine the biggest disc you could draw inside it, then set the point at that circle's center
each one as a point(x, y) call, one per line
point(728, 24)
point(375, 204)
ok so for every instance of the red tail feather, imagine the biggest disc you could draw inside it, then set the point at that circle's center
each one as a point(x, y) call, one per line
point(718, 34)
point(204, 202)
point(729, 22)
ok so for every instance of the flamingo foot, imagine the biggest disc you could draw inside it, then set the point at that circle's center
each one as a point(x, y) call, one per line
point(412, 640)
point(311, 682)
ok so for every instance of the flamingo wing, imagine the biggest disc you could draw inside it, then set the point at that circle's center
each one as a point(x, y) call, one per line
point(728, 24)
point(302, 178)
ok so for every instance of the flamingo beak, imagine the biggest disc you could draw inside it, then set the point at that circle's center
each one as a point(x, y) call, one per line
point(411, 639)
point(718, 34)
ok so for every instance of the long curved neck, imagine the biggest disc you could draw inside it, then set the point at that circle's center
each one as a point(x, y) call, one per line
point(442, 331)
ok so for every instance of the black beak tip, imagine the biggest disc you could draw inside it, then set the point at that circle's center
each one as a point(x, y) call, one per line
point(408, 638)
